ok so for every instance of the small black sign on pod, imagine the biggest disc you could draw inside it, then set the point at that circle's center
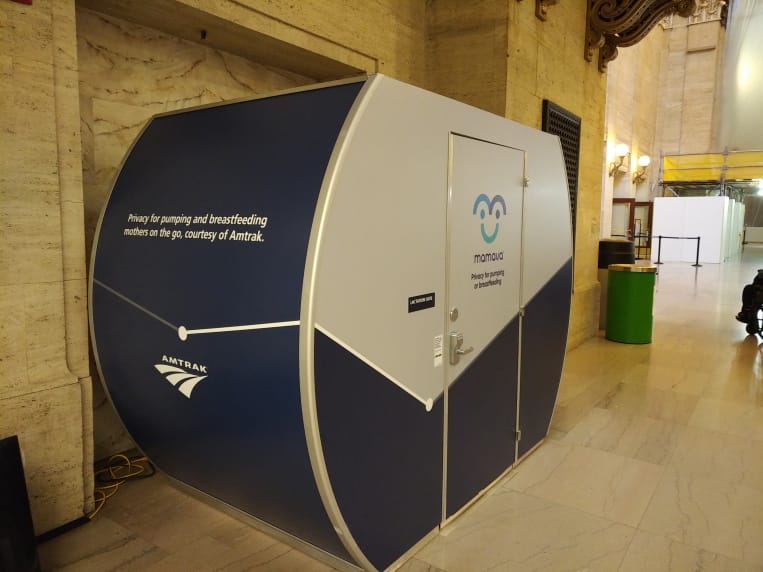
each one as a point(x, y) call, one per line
point(420, 302)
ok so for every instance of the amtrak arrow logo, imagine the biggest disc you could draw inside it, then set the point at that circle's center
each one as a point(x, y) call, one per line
point(184, 380)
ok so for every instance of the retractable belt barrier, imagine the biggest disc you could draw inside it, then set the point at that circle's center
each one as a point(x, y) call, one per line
point(659, 246)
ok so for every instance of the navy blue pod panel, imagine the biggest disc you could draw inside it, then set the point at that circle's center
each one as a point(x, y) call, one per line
point(196, 290)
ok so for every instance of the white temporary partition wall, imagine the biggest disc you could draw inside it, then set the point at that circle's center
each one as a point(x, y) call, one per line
point(704, 217)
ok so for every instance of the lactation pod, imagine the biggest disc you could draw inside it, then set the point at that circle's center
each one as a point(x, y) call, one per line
point(341, 311)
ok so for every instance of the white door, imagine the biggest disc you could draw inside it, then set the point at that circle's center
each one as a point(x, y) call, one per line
point(484, 234)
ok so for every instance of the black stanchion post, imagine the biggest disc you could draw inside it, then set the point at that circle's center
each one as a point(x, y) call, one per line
point(659, 248)
point(696, 263)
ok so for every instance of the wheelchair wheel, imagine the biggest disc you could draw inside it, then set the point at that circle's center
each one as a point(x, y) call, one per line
point(755, 325)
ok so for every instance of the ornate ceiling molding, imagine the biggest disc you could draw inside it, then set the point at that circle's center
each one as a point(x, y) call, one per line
point(615, 23)
point(541, 8)
point(707, 11)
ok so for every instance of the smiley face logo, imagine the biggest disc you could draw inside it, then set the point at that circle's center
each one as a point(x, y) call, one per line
point(489, 210)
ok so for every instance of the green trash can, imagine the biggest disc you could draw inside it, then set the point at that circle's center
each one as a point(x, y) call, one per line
point(630, 295)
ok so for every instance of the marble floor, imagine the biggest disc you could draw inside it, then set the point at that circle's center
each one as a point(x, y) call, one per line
point(654, 462)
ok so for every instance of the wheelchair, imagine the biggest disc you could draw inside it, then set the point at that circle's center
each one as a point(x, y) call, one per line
point(755, 322)
point(751, 313)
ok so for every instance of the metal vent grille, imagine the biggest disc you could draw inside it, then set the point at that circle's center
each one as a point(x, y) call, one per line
point(559, 121)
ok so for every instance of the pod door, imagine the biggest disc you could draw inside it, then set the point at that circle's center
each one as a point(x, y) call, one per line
point(481, 347)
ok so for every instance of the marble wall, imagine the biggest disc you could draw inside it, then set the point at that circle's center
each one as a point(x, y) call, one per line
point(455, 48)
point(127, 73)
point(661, 99)
point(490, 53)
point(544, 60)
point(633, 100)
point(389, 33)
point(45, 395)
point(78, 85)
point(466, 52)
point(689, 81)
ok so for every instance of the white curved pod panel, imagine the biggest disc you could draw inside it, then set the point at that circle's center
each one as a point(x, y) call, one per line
point(429, 229)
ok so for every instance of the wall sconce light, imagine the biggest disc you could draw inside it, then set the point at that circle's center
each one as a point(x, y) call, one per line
point(643, 163)
point(618, 167)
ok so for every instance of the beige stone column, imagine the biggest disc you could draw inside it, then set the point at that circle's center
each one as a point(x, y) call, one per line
point(44, 372)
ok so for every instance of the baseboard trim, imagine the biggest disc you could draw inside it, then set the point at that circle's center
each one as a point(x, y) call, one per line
point(58, 531)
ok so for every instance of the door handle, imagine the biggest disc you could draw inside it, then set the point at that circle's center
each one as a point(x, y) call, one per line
point(455, 351)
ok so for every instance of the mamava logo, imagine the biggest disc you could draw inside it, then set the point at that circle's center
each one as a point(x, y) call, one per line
point(489, 208)
point(181, 373)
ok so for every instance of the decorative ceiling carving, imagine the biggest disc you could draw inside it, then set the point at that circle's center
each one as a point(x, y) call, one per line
point(541, 8)
point(615, 23)
point(707, 11)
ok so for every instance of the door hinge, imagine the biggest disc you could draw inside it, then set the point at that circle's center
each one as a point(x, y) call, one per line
point(518, 435)
point(526, 181)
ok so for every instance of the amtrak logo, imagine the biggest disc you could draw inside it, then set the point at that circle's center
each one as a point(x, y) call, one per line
point(182, 374)
point(489, 209)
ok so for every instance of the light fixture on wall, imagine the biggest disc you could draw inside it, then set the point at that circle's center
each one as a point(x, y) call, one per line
point(618, 167)
point(640, 174)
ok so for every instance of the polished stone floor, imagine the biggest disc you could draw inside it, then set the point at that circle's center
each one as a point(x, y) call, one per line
point(654, 462)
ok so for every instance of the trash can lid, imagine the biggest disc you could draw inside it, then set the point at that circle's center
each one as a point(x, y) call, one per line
point(633, 268)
